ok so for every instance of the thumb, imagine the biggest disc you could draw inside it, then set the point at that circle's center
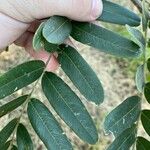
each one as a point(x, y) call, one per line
point(80, 10)
point(28, 11)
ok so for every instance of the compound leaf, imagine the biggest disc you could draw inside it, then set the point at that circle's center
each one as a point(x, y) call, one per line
point(69, 107)
point(123, 116)
point(145, 118)
point(125, 140)
point(12, 105)
point(20, 77)
point(114, 13)
point(142, 144)
point(81, 74)
point(104, 40)
point(24, 141)
point(46, 126)
point(7, 131)
point(57, 29)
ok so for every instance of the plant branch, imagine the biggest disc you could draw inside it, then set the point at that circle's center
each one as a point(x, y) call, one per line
point(144, 72)
point(26, 103)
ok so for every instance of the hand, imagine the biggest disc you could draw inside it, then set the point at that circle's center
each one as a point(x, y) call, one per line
point(18, 20)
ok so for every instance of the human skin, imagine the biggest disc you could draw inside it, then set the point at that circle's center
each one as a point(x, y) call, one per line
point(19, 19)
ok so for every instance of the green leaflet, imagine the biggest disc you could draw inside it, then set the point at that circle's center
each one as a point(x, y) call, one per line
point(24, 141)
point(147, 91)
point(104, 40)
point(7, 131)
point(20, 77)
point(5, 146)
point(145, 14)
point(142, 144)
point(145, 118)
point(137, 36)
point(140, 78)
point(123, 116)
point(14, 148)
point(125, 140)
point(7, 108)
point(57, 29)
point(39, 41)
point(81, 74)
point(49, 47)
point(114, 13)
point(38, 38)
point(46, 126)
point(69, 107)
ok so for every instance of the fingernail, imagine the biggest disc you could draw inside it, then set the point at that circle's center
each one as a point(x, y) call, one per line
point(96, 9)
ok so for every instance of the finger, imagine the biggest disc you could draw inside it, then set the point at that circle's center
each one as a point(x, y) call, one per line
point(28, 11)
point(26, 41)
point(34, 26)
point(10, 30)
point(80, 10)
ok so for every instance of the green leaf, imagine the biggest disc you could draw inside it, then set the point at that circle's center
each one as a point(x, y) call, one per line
point(145, 14)
point(104, 40)
point(39, 42)
point(24, 141)
point(7, 131)
point(69, 107)
point(38, 38)
point(145, 118)
point(5, 146)
point(81, 74)
point(142, 144)
point(137, 36)
point(57, 29)
point(147, 92)
point(20, 77)
point(123, 116)
point(14, 148)
point(140, 81)
point(114, 13)
point(49, 47)
point(12, 105)
point(46, 126)
point(125, 140)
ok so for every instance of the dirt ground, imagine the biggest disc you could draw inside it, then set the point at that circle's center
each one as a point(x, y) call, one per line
point(117, 86)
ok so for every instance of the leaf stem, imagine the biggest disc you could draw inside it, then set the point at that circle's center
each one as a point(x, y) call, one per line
point(26, 103)
point(144, 72)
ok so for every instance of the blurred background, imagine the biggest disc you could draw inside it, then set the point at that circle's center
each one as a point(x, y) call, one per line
point(117, 76)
